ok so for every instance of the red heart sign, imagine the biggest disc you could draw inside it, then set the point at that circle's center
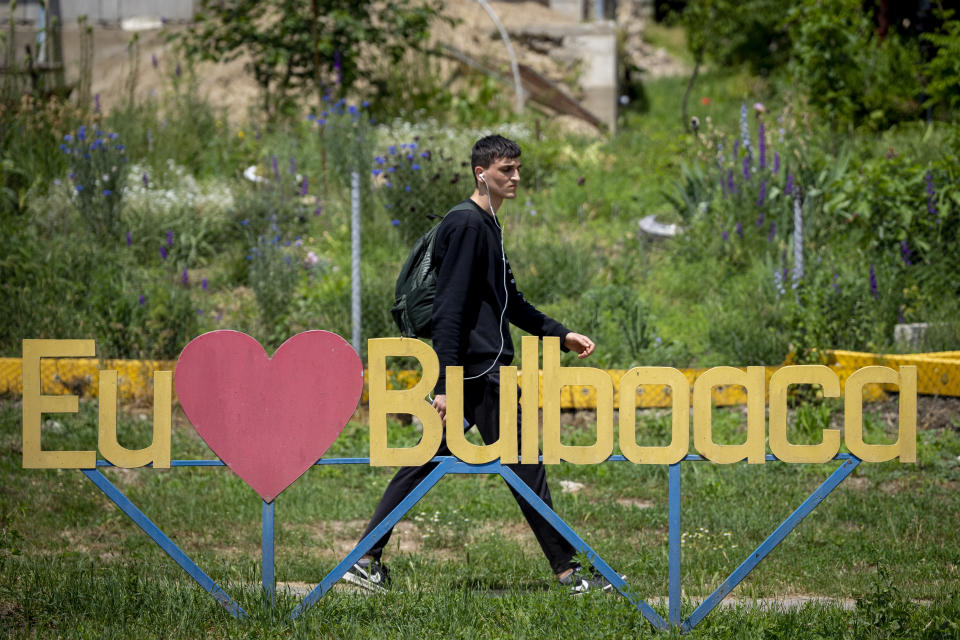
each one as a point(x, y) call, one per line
point(269, 419)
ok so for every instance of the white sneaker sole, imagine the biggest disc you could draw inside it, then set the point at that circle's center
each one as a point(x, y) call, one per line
point(363, 583)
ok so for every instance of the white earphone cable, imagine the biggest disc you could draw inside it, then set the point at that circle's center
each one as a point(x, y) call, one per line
point(506, 294)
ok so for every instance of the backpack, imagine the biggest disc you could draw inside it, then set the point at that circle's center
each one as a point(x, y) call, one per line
point(417, 286)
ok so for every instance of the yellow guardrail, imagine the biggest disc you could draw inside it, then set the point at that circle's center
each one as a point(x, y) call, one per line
point(937, 374)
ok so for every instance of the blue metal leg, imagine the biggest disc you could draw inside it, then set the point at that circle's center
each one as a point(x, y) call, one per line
point(673, 544)
point(570, 535)
point(768, 545)
point(370, 539)
point(267, 548)
point(165, 543)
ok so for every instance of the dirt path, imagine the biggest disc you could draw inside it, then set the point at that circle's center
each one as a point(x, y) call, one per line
point(231, 87)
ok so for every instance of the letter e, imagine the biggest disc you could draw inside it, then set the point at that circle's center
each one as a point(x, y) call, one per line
point(35, 404)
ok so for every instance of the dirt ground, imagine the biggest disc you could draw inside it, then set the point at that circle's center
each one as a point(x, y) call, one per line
point(228, 85)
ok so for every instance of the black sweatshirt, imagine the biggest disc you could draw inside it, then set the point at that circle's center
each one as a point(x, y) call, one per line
point(470, 297)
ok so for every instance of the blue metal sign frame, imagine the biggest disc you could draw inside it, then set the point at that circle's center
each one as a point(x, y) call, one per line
point(447, 465)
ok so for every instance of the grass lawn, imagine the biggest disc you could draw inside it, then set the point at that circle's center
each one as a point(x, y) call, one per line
point(464, 563)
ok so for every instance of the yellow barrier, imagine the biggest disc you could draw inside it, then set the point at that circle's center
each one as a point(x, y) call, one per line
point(937, 374)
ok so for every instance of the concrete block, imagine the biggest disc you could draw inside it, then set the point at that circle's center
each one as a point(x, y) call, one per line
point(570, 8)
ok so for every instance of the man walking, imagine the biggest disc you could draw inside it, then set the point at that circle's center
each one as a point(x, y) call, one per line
point(476, 299)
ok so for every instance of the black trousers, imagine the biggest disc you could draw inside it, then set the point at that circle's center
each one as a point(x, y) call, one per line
point(481, 406)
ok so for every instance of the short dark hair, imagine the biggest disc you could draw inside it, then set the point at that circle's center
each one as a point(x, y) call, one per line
point(488, 149)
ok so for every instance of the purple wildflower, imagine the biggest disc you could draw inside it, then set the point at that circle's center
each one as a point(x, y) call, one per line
point(900, 317)
point(760, 220)
point(169, 238)
point(146, 181)
point(776, 161)
point(304, 186)
point(731, 185)
point(931, 195)
point(276, 167)
point(762, 145)
point(415, 167)
point(142, 300)
point(129, 239)
point(154, 61)
point(905, 252)
point(318, 211)
point(199, 312)
point(773, 231)
point(203, 284)
point(736, 148)
point(395, 222)
point(726, 236)
point(746, 166)
point(739, 229)
point(763, 192)
point(788, 188)
point(96, 103)
point(79, 188)
point(163, 252)
point(874, 290)
point(744, 128)
point(82, 133)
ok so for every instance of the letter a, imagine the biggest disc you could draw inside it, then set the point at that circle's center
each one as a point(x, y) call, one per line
point(753, 449)
point(906, 444)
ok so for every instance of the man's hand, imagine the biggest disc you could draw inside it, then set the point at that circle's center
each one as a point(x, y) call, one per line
point(577, 343)
point(440, 404)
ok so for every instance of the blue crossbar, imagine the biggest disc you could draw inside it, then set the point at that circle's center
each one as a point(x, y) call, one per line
point(164, 542)
point(446, 465)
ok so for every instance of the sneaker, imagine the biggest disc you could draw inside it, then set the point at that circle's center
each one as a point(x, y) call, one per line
point(369, 574)
point(581, 582)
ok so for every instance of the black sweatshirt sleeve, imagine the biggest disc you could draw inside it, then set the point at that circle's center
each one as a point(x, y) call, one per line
point(527, 317)
point(454, 282)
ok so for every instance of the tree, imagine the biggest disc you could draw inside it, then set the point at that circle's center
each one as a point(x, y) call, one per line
point(732, 33)
point(301, 46)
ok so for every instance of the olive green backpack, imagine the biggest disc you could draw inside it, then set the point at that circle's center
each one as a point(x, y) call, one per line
point(417, 286)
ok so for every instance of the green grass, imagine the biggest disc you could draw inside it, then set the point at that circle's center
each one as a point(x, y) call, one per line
point(465, 564)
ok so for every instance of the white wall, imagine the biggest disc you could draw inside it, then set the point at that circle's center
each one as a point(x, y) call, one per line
point(103, 10)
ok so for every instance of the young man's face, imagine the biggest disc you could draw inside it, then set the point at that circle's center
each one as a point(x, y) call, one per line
point(502, 177)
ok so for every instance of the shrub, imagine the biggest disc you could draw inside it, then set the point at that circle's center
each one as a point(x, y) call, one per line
point(417, 183)
point(943, 70)
point(97, 163)
point(842, 69)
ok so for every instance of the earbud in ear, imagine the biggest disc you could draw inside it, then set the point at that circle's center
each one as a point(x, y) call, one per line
point(481, 176)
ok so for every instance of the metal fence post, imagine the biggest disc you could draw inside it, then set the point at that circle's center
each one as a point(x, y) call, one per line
point(355, 299)
point(267, 549)
point(675, 589)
